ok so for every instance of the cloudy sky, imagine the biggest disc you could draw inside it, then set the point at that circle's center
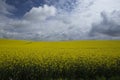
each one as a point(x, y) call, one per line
point(60, 19)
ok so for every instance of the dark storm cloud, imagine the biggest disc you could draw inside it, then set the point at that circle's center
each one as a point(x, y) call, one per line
point(109, 26)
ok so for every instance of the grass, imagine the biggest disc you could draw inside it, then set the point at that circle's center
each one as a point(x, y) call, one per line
point(68, 60)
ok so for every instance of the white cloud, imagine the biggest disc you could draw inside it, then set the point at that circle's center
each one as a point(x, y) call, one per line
point(85, 21)
point(5, 8)
point(40, 13)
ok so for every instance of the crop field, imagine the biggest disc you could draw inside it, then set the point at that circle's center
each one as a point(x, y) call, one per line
point(67, 60)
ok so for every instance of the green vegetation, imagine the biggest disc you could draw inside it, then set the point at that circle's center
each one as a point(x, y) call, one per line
point(75, 60)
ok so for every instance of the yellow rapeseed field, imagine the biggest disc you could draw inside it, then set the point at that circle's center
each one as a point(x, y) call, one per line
point(65, 60)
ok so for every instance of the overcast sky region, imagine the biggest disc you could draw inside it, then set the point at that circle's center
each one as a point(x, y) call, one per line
point(60, 19)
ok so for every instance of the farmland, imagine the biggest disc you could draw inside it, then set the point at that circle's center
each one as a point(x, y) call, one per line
point(67, 60)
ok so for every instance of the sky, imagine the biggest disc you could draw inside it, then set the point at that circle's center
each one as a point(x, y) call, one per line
point(56, 20)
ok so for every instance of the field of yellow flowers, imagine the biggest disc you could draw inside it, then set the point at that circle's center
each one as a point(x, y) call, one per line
point(75, 60)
